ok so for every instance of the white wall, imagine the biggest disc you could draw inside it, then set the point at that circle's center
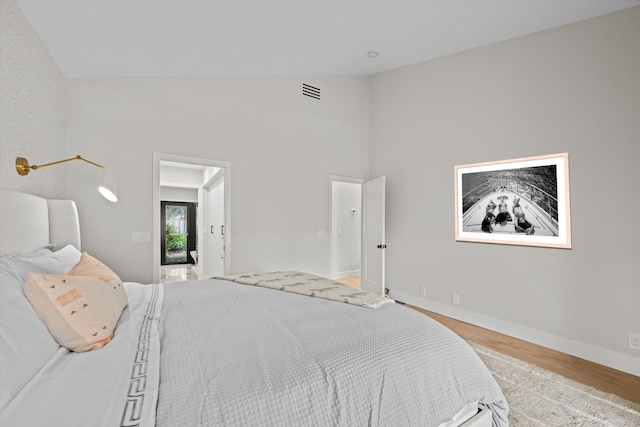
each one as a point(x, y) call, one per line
point(572, 89)
point(282, 148)
point(31, 107)
point(173, 176)
point(178, 194)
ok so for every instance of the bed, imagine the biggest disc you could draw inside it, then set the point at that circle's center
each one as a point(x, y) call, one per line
point(220, 353)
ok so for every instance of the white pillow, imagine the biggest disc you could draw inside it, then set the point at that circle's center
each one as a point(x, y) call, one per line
point(25, 343)
point(45, 250)
point(46, 262)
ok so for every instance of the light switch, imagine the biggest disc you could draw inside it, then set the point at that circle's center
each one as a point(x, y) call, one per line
point(140, 237)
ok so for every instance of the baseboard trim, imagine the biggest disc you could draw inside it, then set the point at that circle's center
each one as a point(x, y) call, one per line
point(592, 353)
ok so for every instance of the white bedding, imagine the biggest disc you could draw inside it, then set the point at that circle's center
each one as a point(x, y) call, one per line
point(114, 386)
point(216, 352)
point(237, 355)
point(25, 342)
point(220, 353)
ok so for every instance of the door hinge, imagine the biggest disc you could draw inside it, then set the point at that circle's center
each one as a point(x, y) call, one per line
point(382, 246)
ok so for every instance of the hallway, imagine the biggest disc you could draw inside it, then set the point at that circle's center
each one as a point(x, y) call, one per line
point(177, 273)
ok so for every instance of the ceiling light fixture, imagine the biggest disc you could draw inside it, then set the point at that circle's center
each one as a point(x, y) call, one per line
point(372, 54)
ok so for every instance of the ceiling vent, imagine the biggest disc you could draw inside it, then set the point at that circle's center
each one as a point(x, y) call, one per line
point(311, 92)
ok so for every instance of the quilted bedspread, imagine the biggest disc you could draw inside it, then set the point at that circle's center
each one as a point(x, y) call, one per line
point(237, 355)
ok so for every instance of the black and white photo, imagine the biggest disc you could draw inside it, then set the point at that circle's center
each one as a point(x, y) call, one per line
point(519, 201)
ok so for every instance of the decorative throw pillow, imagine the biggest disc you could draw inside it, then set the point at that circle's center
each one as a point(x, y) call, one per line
point(80, 309)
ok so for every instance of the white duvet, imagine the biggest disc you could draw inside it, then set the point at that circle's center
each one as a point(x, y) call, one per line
point(239, 355)
point(218, 353)
point(113, 386)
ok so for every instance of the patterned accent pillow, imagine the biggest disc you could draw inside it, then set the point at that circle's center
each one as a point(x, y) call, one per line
point(81, 308)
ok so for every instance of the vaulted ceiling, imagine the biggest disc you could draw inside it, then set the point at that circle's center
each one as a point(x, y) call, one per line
point(122, 38)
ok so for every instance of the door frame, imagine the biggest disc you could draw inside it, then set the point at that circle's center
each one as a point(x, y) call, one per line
point(157, 158)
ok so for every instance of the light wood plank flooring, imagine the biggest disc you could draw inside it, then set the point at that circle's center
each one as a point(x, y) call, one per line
point(354, 282)
point(597, 376)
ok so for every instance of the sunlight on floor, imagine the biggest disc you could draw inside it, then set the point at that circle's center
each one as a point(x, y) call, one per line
point(354, 281)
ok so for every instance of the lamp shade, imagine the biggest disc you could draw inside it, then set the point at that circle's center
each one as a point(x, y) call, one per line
point(108, 185)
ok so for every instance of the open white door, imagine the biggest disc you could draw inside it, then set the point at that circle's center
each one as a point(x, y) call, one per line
point(373, 244)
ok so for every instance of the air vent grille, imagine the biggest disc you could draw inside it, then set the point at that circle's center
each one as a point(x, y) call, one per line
point(311, 91)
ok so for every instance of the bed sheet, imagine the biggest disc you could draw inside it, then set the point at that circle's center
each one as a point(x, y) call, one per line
point(113, 386)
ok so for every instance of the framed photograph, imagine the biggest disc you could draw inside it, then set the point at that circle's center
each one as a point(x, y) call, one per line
point(515, 202)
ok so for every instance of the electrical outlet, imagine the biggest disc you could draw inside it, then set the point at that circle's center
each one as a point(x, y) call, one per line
point(423, 291)
point(455, 299)
point(634, 341)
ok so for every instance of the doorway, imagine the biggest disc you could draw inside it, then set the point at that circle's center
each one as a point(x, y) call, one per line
point(183, 179)
point(178, 234)
point(357, 238)
point(346, 230)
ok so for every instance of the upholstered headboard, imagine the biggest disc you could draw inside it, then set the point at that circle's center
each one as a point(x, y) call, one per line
point(28, 222)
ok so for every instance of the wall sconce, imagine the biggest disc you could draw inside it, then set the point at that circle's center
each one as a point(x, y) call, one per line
point(107, 186)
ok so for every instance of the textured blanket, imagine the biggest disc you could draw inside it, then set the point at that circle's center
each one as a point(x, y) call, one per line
point(237, 355)
point(310, 285)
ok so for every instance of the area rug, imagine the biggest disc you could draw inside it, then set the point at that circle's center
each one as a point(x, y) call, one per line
point(538, 397)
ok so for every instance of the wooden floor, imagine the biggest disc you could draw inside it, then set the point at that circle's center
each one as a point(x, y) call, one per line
point(354, 282)
point(597, 376)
